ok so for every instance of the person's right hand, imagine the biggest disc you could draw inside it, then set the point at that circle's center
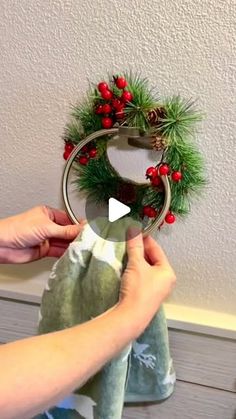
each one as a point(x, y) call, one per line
point(147, 280)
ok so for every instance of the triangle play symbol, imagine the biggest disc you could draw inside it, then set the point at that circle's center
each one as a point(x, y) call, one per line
point(116, 210)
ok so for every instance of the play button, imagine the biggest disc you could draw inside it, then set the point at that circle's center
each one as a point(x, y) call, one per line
point(112, 220)
point(116, 210)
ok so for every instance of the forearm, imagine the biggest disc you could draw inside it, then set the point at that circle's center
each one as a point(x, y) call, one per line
point(38, 372)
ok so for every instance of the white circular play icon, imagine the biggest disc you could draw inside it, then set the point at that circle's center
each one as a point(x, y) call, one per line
point(116, 210)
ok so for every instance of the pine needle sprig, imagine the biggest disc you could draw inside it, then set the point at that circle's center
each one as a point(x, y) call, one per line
point(87, 117)
point(144, 100)
point(73, 132)
point(189, 161)
point(153, 198)
point(185, 157)
point(180, 118)
point(98, 178)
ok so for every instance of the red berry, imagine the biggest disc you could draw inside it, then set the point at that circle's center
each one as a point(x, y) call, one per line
point(176, 176)
point(106, 94)
point(103, 86)
point(99, 109)
point(93, 152)
point(151, 172)
point(170, 218)
point(146, 210)
point(84, 149)
point(156, 181)
point(69, 147)
point(121, 83)
point(149, 211)
point(83, 160)
point(152, 212)
point(66, 154)
point(106, 108)
point(164, 169)
point(117, 104)
point(120, 114)
point(126, 96)
point(121, 107)
point(107, 122)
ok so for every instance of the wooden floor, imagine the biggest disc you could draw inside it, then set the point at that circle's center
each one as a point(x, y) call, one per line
point(190, 401)
point(205, 367)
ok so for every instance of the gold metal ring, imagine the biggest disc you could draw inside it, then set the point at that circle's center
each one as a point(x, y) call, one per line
point(129, 132)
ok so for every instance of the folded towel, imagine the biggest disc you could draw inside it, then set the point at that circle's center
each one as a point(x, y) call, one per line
point(84, 283)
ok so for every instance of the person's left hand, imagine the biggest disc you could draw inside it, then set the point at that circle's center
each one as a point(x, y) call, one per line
point(34, 234)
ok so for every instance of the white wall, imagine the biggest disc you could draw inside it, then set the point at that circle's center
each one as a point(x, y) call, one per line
point(48, 51)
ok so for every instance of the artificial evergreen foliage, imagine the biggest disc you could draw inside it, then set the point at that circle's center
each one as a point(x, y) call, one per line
point(174, 121)
point(144, 100)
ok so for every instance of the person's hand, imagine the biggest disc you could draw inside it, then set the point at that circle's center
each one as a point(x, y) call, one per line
point(148, 278)
point(34, 234)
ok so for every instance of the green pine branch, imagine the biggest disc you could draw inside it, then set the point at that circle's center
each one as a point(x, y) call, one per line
point(186, 158)
point(98, 178)
point(180, 118)
point(87, 117)
point(153, 198)
point(144, 100)
point(72, 132)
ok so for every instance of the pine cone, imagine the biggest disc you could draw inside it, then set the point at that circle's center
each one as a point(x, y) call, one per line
point(155, 115)
point(158, 142)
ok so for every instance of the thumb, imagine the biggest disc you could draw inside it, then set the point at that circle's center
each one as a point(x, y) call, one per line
point(135, 246)
point(68, 232)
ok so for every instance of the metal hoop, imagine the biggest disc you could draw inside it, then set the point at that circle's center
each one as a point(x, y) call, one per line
point(129, 132)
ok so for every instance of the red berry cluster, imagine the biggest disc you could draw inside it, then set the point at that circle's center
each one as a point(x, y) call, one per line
point(113, 109)
point(69, 147)
point(154, 175)
point(149, 211)
point(87, 152)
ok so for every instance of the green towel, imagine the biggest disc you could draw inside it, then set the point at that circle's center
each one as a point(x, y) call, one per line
point(84, 283)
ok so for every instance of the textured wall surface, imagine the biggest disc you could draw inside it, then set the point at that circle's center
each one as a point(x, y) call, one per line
point(48, 52)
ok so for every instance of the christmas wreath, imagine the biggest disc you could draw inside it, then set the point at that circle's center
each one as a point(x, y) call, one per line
point(166, 125)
